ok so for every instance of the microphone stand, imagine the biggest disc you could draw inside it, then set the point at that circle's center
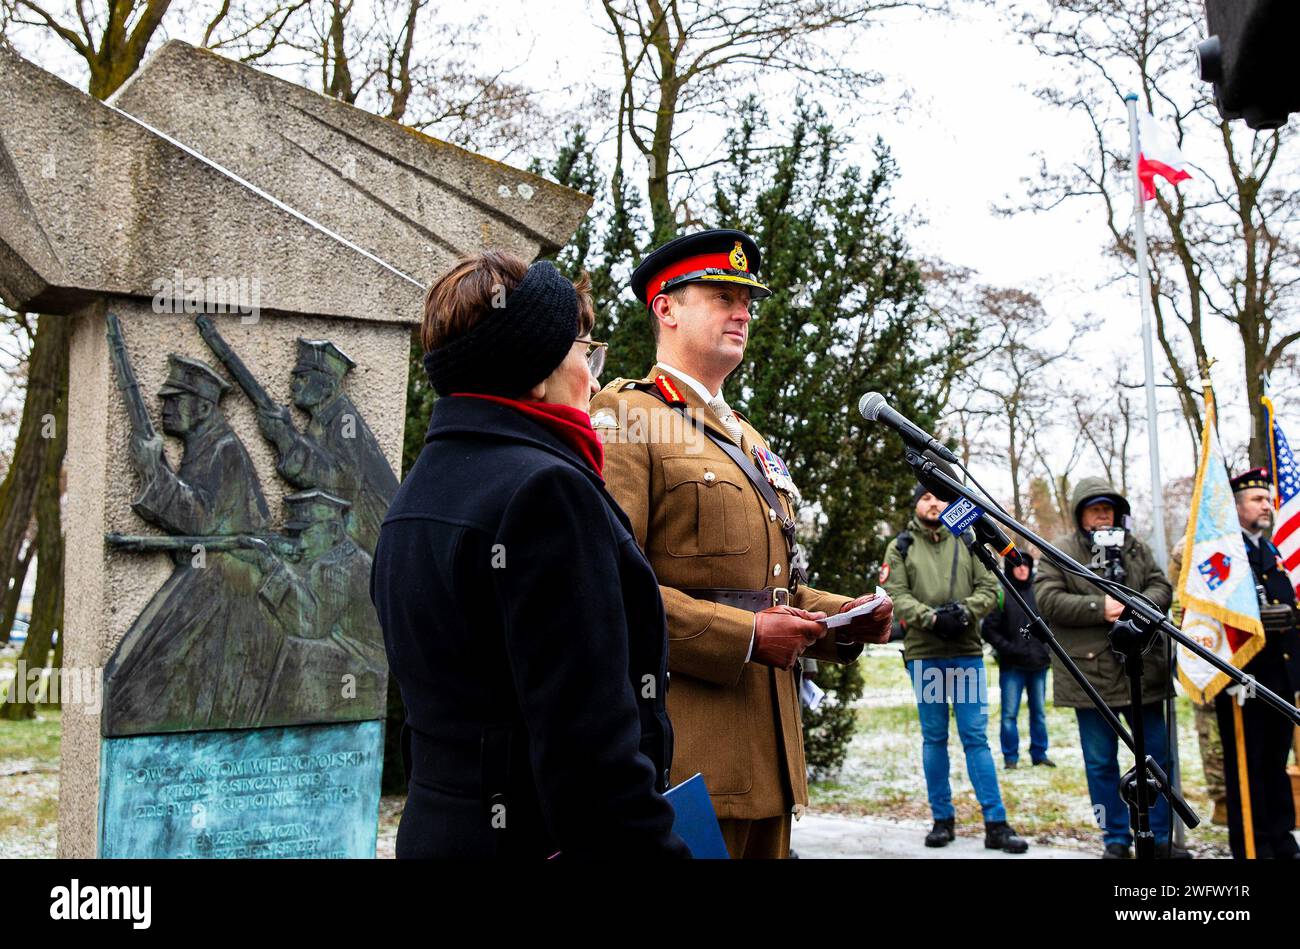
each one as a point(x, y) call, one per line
point(1146, 777)
point(1131, 636)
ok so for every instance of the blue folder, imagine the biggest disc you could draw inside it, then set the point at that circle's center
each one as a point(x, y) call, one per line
point(695, 821)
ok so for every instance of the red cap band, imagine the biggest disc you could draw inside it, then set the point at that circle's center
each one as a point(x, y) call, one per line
point(716, 261)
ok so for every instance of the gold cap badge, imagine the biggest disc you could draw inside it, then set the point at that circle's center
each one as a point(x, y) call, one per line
point(737, 258)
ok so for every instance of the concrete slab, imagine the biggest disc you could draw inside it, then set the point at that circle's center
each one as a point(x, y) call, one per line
point(414, 200)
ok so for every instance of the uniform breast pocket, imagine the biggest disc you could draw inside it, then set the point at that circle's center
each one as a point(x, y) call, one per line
point(705, 508)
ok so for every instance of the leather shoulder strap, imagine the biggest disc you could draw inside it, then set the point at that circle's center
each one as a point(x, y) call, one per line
point(753, 474)
point(904, 543)
point(733, 451)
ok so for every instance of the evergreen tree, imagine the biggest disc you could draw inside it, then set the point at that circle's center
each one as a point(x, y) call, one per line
point(847, 316)
point(606, 245)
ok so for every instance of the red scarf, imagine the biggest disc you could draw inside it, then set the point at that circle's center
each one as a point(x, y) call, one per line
point(572, 426)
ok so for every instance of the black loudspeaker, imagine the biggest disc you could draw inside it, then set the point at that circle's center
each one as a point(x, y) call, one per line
point(1252, 60)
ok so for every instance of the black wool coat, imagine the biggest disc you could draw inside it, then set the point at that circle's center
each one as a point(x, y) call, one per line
point(525, 630)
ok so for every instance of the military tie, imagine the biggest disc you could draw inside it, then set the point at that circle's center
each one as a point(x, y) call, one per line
point(729, 421)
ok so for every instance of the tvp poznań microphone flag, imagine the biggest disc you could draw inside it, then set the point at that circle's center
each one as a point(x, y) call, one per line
point(1216, 587)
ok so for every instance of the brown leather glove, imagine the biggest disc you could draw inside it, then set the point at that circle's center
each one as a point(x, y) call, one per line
point(782, 633)
point(873, 627)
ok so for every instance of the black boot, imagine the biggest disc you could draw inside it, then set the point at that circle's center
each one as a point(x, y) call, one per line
point(942, 834)
point(998, 835)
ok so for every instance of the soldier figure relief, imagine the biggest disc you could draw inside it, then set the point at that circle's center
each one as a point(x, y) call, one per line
point(286, 619)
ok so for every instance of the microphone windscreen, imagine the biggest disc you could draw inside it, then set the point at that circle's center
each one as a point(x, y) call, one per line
point(870, 405)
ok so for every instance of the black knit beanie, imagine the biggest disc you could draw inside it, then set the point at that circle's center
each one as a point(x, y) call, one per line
point(514, 347)
point(919, 492)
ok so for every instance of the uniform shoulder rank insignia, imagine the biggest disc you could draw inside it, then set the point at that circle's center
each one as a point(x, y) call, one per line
point(738, 259)
point(775, 471)
point(669, 391)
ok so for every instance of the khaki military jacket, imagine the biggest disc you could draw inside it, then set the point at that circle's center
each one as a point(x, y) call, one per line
point(702, 524)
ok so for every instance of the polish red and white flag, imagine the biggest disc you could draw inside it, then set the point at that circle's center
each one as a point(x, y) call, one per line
point(1158, 155)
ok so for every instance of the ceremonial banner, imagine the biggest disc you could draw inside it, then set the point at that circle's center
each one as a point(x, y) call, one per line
point(1216, 587)
point(1286, 481)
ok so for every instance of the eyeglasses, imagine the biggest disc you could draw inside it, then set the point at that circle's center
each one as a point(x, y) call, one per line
point(595, 355)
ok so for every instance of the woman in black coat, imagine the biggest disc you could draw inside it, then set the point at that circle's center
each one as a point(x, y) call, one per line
point(522, 622)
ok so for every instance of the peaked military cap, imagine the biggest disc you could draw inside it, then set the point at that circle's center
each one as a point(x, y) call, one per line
point(324, 355)
point(720, 255)
point(193, 376)
point(1254, 478)
point(312, 506)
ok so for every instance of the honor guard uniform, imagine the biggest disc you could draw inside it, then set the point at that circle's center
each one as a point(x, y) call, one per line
point(1268, 736)
point(713, 508)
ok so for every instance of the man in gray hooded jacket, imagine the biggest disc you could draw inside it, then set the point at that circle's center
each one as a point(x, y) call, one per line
point(1081, 617)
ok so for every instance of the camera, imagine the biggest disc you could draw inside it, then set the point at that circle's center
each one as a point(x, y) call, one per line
point(1108, 537)
point(950, 620)
point(1107, 547)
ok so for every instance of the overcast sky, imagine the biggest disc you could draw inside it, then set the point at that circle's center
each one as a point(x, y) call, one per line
point(966, 136)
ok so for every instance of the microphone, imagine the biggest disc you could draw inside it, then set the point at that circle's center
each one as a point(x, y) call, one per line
point(874, 408)
point(987, 531)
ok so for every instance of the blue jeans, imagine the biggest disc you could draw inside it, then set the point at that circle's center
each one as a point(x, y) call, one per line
point(1100, 758)
point(963, 684)
point(1033, 682)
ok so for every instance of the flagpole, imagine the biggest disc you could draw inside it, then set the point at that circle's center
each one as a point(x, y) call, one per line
point(1153, 430)
point(1148, 357)
point(1243, 777)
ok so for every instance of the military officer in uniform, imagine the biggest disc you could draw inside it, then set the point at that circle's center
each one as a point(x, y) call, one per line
point(1277, 667)
point(713, 509)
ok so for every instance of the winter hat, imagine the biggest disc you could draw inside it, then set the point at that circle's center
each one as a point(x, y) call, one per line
point(515, 346)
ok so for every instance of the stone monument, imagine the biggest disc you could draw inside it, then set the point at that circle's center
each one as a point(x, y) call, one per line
point(244, 260)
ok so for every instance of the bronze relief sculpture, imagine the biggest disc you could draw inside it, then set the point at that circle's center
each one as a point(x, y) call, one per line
point(251, 628)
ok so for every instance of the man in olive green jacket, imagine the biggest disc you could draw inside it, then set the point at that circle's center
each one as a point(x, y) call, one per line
point(940, 593)
point(1081, 616)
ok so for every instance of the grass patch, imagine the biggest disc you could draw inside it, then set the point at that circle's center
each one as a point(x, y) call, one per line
point(34, 740)
point(29, 785)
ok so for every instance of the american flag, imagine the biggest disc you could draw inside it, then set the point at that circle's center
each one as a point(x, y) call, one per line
point(1286, 534)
